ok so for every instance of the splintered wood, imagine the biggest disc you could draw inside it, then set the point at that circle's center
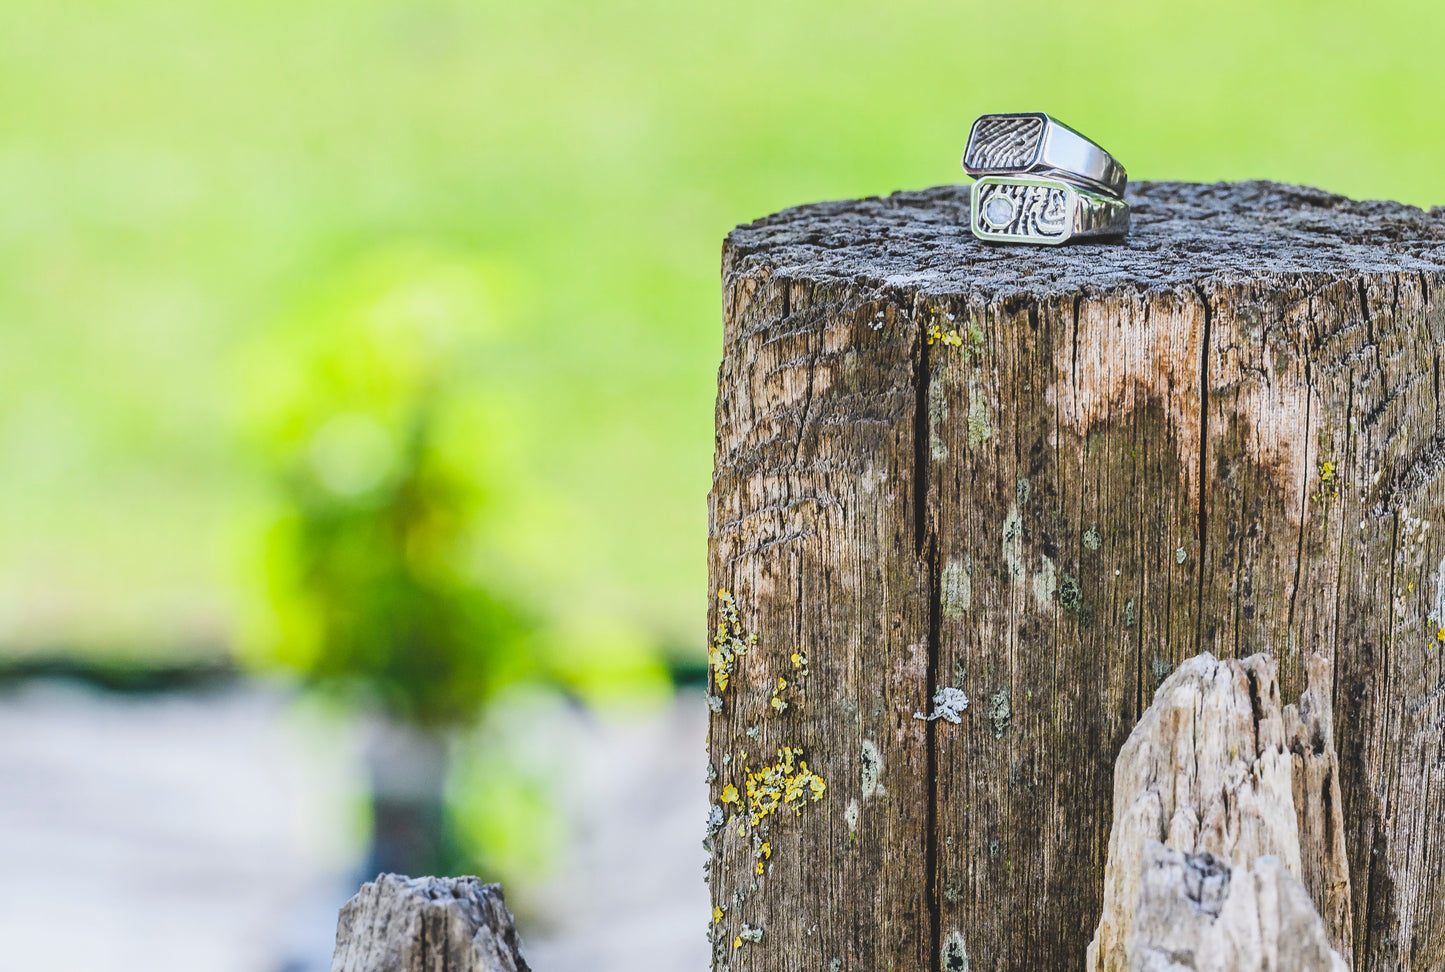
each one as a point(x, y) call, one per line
point(1205, 857)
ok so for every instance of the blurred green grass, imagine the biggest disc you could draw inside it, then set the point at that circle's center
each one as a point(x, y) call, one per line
point(177, 178)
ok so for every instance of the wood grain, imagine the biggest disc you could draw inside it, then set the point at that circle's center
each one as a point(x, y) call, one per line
point(1046, 476)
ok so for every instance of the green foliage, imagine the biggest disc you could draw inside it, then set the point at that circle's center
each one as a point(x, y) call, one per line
point(368, 407)
point(379, 404)
point(175, 173)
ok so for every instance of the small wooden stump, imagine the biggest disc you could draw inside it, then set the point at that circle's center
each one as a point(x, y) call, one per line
point(1042, 478)
point(427, 924)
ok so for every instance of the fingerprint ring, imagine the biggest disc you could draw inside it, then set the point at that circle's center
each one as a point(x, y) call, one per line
point(1029, 209)
point(1032, 143)
point(1039, 181)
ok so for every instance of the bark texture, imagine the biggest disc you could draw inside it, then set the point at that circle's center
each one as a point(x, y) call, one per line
point(427, 924)
point(1210, 770)
point(1044, 477)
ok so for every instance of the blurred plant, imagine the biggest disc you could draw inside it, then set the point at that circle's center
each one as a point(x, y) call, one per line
point(379, 406)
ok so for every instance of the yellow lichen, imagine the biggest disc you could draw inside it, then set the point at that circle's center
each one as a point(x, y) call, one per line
point(730, 795)
point(798, 659)
point(1329, 482)
point(758, 868)
point(728, 642)
point(951, 337)
point(778, 702)
point(717, 914)
point(783, 782)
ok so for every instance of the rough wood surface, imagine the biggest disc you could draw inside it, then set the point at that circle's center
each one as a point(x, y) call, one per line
point(427, 924)
point(1324, 860)
point(1209, 770)
point(1045, 477)
point(1197, 913)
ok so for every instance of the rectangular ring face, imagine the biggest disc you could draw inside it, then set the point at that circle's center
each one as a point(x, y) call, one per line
point(1010, 210)
point(1004, 143)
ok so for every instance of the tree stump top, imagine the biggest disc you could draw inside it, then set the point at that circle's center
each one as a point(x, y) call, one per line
point(920, 241)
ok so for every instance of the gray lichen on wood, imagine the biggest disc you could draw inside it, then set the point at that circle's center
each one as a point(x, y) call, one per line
point(400, 924)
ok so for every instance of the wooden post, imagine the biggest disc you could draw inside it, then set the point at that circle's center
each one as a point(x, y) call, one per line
point(1040, 479)
point(399, 924)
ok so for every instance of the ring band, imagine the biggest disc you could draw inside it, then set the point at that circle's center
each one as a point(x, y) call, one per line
point(1027, 209)
point(1033, 143)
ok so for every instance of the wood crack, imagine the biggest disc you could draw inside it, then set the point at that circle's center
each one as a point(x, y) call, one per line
point(1304, 503)
point(921, 381)
point(1203, 468)
point(930, 737)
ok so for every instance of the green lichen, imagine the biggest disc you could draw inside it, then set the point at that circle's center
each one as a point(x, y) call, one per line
point(1013, 544)
point(980, 428)
point(954, 956)
point(1045, 583)
point(1071, 595)
point(871, 764)
point(1181, 555)
point(1160, 669)
point(1022, 491)
point(1092, 540)
point(748, 934)
point(1129, 614)
point(937, 416)
point(975, 342)
point(1000, 713)
point(970, 342)
point(956, 588)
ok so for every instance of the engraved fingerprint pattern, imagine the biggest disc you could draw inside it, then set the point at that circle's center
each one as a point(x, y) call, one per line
point(1028, 212)
point(1004, 144)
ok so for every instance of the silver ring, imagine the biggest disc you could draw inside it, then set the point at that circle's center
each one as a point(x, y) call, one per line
point(1028, 209)
point(1032, 143)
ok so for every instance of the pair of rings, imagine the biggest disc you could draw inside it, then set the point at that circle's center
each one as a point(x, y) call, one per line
point(1039, 181)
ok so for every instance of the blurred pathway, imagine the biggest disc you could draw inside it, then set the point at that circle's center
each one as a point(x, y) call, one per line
point(196, 832)
point(631, 898)
point(219, 832)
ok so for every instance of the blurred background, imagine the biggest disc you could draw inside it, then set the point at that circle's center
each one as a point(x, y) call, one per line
point(356, 374)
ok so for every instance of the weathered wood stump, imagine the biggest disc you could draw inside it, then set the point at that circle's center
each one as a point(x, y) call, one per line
point(427, 924)
point(1221, 794)
point(1040, 479)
